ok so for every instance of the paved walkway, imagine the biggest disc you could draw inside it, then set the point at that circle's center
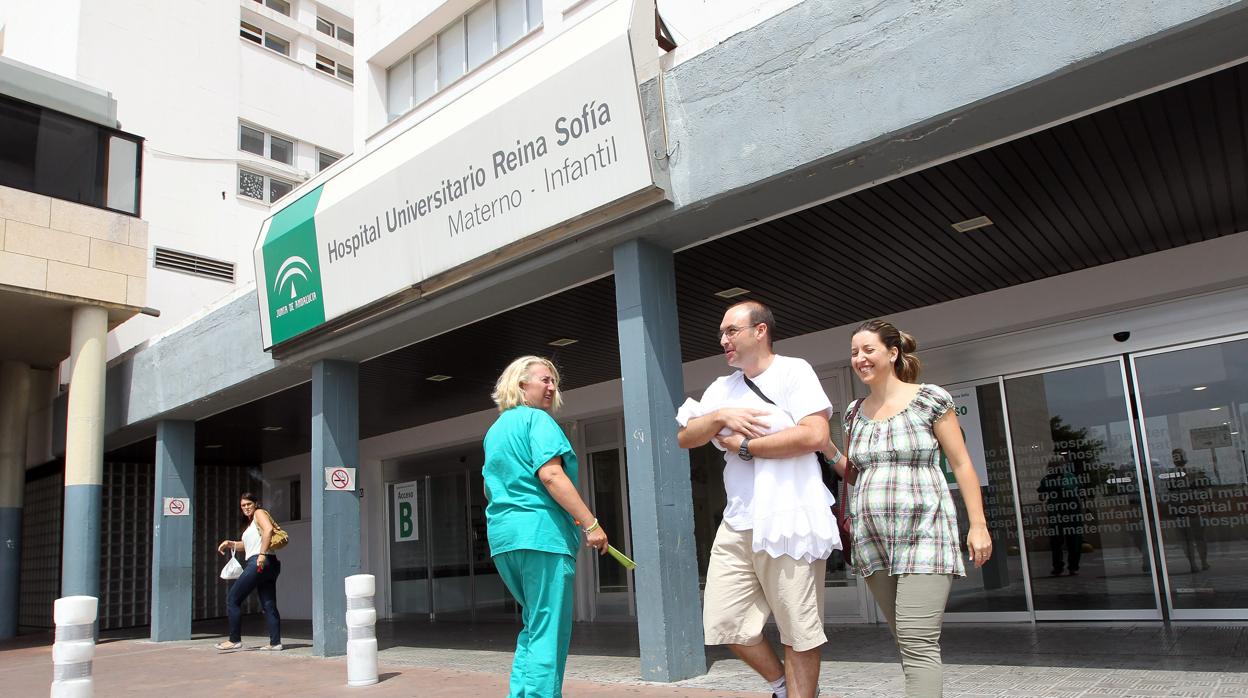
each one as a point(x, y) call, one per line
point(460, 659)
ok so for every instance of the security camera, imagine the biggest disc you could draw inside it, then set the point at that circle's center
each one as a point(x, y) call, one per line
point(1122, 336)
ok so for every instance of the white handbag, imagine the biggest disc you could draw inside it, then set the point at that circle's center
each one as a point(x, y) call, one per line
point(232, 569)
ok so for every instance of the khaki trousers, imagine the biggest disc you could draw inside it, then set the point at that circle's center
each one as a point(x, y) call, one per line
point(914, 605)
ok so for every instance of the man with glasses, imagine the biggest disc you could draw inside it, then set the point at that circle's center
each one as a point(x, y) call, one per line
point(770, 553)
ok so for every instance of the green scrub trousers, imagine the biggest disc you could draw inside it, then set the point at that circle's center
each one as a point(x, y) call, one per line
point(542, 583)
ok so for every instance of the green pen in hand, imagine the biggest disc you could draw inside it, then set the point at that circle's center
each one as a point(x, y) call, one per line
point(621, 558)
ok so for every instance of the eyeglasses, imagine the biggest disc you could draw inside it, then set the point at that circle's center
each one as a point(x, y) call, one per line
point(732, 331)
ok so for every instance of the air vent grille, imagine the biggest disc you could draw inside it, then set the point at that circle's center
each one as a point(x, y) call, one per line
point(188, 263)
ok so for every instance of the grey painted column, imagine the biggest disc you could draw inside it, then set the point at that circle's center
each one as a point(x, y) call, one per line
point(173, 536)
point(335, 515)
point(84, 453)
point(669, 618)
point(14, 408)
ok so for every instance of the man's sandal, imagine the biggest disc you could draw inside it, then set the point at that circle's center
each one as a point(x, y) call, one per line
point(226, 645)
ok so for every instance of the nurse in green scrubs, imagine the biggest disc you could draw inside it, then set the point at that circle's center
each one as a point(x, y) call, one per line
point(534, 519)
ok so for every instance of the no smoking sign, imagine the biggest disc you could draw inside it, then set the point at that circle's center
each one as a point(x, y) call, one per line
point(177, 506)
point(340, 479)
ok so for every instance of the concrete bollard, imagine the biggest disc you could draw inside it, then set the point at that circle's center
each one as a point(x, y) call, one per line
point(74, 647)
point(361, 630)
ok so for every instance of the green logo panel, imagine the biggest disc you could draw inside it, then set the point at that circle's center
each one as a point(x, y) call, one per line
point(294, 298)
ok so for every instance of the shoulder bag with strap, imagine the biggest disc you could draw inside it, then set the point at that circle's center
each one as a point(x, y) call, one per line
point(279, 538)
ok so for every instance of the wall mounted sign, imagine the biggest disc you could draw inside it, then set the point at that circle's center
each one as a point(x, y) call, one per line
point(553, 137)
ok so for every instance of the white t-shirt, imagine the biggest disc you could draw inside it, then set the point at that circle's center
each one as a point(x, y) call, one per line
point(252, 540)
point(790, 383)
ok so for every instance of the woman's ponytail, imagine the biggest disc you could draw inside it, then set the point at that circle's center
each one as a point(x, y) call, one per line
point(907, 366)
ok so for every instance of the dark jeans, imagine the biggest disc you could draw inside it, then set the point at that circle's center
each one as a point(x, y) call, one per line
point(265, 584)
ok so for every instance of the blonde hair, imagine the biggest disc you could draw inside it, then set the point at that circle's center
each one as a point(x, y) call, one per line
point(508, 392)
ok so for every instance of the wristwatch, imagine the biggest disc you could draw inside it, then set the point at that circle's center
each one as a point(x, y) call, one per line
point(743, 452)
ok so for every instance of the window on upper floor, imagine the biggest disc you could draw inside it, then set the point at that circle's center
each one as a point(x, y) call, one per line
point(324, 159)
point(329, 66)
point(278, 5)
point(335, 30)
point(269, 40)
point(262, 187)
point(461, 47)
point(267, 145)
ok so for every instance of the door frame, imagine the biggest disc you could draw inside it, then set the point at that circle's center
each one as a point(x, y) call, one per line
point(1176, 613)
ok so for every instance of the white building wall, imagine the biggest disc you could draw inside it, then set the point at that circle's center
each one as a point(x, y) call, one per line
point(183, 79)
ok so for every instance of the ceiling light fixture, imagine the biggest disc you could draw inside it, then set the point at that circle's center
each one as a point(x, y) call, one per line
point(1214, 409)
point(438, 378)
point(1200, 388)
point(270, 428)
point(212, 446)
point(563, 342)
point(970, 224)
point(732, 292)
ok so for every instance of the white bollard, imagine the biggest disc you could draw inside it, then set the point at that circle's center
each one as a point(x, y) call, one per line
point(361, 630)
point(74, 647)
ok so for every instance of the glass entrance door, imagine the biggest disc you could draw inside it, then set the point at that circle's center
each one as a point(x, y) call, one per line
point(1192, 402)
point(613, 597)
point(440, 565)
point(1000, 589)
point(450, 554)
point(1084, 528)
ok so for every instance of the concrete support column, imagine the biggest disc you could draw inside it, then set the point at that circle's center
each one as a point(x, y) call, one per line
point(669, 618)
point(14, 408)
point(335, 515)
point(84, 453)
point(173, 532)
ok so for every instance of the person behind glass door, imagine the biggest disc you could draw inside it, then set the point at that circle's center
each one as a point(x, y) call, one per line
point(1059, 490)
point(260, 574)
point(1184, 480)
point(905, 526)
point(532, 515)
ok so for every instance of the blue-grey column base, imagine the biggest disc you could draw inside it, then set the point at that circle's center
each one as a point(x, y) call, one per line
point(80, 542)
point(173, 537)
point(669, 618)
point(10, 570)
point(335, 515)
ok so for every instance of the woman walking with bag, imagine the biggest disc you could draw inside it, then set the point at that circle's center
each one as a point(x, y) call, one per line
point(260, 572)
point(534, 520)
point(905, 526)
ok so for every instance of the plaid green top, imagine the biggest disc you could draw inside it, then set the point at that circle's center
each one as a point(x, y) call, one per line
point(903, 518)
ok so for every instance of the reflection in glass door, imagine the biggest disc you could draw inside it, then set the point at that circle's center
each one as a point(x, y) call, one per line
point(1088, 546)
point(998, 590)
point(1192, 401)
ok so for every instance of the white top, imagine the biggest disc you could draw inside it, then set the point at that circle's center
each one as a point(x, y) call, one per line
point(783, 500)
point(251, 540)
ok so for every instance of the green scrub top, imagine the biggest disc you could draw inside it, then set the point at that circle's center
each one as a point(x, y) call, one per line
point(520, 514)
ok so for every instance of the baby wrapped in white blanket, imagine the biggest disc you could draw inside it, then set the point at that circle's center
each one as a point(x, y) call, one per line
point(788, 506)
